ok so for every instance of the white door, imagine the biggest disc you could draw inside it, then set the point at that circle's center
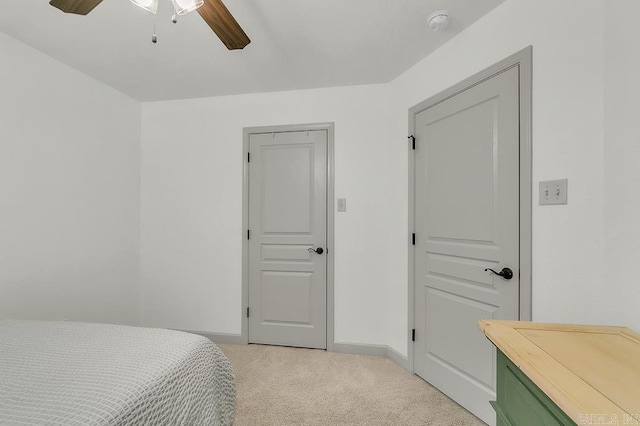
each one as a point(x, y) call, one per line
point(287, 241)
point(466, 220)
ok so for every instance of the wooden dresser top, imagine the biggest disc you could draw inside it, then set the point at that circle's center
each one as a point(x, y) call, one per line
point(589, 372)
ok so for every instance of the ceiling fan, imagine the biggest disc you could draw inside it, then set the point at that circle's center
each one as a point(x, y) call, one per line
point(214, 12)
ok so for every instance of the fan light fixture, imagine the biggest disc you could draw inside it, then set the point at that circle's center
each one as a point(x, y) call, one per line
point(150, 5)
point(214, 13)
point(184, 6)
point(181, 6)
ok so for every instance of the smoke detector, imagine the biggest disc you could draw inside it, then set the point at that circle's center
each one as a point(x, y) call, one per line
point(438, 21)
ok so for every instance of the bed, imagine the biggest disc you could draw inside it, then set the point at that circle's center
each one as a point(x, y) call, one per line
point(72, 373)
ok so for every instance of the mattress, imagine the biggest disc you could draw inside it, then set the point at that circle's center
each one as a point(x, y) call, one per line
point(71, 373)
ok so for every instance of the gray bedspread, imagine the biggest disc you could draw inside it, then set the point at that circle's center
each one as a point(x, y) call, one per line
point(70, 373)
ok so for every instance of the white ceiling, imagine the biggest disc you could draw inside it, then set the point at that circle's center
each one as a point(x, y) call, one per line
point(295, 44)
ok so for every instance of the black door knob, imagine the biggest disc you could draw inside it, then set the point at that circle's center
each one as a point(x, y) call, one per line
point(318, 250)
point(506, 273)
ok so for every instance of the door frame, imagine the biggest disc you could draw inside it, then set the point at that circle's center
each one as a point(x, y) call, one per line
point(246, 132)
point(523, 60)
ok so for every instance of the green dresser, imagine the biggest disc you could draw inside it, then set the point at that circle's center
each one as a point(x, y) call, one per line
point(520, 402)
point(559, 374)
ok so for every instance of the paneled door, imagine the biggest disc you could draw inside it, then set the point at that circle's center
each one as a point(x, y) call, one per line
point(466, 221)
point(287, 240)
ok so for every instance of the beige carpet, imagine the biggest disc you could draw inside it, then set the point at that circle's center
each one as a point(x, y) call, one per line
point(293, 386)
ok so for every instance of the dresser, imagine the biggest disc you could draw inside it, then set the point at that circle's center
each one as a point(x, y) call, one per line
point(558, 374)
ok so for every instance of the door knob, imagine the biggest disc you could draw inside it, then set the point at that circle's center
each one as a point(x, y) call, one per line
point(506, 273)
point(318, 250)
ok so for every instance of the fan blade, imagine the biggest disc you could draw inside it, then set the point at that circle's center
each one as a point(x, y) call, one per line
point(79, 7)
point(218, 17)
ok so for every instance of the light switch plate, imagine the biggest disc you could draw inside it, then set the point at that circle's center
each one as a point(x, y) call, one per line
point(342, 204)
point(553, 192)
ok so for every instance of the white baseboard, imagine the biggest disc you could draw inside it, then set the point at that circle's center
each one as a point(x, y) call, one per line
point(360, 349)
point(375, 350)
point(398, 358)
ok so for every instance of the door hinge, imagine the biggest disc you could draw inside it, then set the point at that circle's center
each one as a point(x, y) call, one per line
point(247, 312)
point(248, 157)
point(413, 334)
point(413, 141)
point(413, 239)
point(248, 234)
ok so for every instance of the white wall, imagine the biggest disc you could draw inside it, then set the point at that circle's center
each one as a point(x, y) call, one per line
point(584, 129)
point(619, 292)
point(192, 206)
point(69, 192)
